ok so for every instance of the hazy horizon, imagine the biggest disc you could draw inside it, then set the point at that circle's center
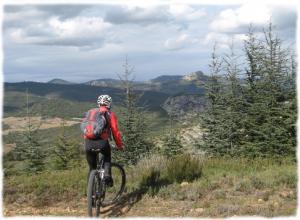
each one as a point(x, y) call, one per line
point(107, 78)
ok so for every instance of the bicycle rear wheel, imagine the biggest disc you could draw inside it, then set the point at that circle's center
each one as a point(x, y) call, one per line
point(112, 194)
point(94, 194)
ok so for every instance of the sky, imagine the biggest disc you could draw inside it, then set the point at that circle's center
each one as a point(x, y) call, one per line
point(79, 43)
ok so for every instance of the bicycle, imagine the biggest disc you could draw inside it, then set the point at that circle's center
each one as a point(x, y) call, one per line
point(98, 193)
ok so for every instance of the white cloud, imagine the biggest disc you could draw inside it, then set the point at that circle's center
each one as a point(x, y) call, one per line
point(93, 39)
point(223, 40)
point(28, 12)
point(186, 12)
point(239, 19)
point(230, 20)
point(137, 15)
point(78, 31)
point(180, 42)
point(78, 27)
point(232, 24)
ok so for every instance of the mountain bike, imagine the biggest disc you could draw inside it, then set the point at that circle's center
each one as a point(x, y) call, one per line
point(98, 192)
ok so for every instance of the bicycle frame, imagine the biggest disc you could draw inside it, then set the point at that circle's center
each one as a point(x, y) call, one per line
point(97, 186)
point(100, 169)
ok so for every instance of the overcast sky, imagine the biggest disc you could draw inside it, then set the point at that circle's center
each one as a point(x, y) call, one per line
point(83, 42)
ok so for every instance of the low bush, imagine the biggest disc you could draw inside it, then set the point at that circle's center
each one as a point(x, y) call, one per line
point(147, 173)
point(183, 167)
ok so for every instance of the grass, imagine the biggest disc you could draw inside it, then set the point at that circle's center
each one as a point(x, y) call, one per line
point(46, 187)
point(225, 187)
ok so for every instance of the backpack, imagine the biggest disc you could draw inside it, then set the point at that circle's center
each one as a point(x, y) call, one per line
point(94, 124)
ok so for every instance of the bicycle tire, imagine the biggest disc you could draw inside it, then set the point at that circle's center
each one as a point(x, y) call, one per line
point(122, 185)
point(90, 188)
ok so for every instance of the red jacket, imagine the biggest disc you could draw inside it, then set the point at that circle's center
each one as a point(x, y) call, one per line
point(113, 126)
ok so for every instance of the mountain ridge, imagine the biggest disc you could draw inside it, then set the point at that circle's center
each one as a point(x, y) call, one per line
point(159, 79)
point(168, 93)
point(60, 81)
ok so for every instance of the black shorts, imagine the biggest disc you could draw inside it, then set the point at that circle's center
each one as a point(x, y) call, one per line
point(96, 144)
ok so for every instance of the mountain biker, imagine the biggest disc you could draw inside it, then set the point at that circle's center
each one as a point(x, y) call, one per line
point(104, 104)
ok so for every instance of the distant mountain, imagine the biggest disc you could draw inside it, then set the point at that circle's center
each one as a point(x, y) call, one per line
point(166, 78)
point(76, 93)
point(194, 76)
point(192, 83)
point(104, 82)
point(60, 81)
point(172, 94)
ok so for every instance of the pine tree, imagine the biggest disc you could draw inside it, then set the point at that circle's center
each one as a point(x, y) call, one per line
point(234, 104)
point(171, 142)
point(269, 115)
point(65, 152)
point(212, 119)
point(254, 99)
point(254, 116)
point(134, 123)
point(33, 152)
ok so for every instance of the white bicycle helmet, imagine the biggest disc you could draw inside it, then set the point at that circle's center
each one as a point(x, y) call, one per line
point(104, 100)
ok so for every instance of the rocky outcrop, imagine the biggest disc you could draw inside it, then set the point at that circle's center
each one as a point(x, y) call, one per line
point(195, 76)
point(181, 104)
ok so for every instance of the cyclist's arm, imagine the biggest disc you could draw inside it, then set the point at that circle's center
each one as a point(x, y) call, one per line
point(115, 131)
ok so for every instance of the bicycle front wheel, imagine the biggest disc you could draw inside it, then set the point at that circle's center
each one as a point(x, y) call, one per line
point(112, 194)
point(94, 194)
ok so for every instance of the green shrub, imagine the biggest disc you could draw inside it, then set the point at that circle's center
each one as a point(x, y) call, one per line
point(183, 168)
point(147, 173)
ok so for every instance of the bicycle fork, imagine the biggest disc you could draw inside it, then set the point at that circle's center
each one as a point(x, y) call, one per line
point(101, 192)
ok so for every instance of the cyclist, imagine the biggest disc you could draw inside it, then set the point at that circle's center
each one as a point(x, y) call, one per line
point(104, 104)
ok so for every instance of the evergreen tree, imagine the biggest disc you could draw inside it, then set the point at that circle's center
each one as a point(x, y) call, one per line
point(171, 142)
point(254, 99)
point(269, 115)
point(134, 124)
point(31, 148)
point(65, 152)
point(234, 104)
point(212, 119)
point(254, 116)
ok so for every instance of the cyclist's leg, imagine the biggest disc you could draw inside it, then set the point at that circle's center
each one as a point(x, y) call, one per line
point(106, 151)
point(91, 157)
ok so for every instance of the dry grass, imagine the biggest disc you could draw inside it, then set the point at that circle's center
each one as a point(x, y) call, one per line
point(235, 187)
point(18, 124)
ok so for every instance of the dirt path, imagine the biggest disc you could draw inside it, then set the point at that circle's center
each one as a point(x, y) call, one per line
point(154, 208)
point(280, 204)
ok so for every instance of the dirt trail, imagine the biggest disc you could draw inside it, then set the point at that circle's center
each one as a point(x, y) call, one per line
point(154, 208)
point(280, 204)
